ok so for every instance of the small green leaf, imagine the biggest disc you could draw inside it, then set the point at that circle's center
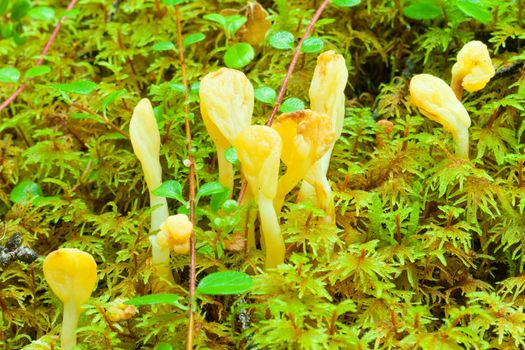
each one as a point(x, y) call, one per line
point(291, 105)
point(421, 10)
point(173, 2)
point(312, 45)
point(475, 9)
point(192, 39)
point(346, 3)
point(265, 94)
point(24, 191)
point(42, 13)
point(282, 40)
point(9, 75)
point(239, 55)
point(37, 71)
point(82, 87)
point(211, 188)
point(109, 99)
point(231, 155)
point(20, 9)
point(163, 346)
point(195, 87)
point(234, 23)
point(217, 18)
point(225, 283)
point(163, 46)
point(179, 87)
point(170, 189)
point(6, 30)
point(154, 299)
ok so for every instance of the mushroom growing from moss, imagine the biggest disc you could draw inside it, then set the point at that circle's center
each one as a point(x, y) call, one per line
point(436, 100)
point(259, 149)
point(473, 69)
point(326, 96)
point(71, 274)
point(175, 233)
point(226, 101)
point(306, 136)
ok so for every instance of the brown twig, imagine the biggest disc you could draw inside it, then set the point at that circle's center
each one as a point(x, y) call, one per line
point(42, 55)
point(102, 119)
point(193, 276)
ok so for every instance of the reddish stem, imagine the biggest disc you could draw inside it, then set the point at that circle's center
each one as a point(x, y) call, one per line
point(42, 55)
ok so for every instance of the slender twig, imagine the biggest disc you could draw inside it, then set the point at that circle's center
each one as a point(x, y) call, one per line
point(102, 119)
point(193, 276)
point(42, 55)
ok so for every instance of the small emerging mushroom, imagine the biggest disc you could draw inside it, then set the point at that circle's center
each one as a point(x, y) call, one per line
point(226, 106)
point(473, 69)
point(436, 100)
point(259, 149)
point(306, 137)
point(71, 274)
point(175, 233)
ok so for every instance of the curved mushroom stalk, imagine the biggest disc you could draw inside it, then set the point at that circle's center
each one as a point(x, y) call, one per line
point(306, 137)
point(436, 100)
point(145, 139)
point(226, 106)
point(71, 274)
point(473, 69)
point(326, 96)
point(259, 149)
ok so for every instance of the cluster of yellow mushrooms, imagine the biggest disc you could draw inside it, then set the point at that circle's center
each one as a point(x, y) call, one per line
point(302, 140)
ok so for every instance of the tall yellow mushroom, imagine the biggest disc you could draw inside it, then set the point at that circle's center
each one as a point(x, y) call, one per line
point(306, 137)
point(145, 139)
point(326, 96)
point(473, 69)
point(226, 100)
point(259, 149)
point(436, 100)
point(71, 274)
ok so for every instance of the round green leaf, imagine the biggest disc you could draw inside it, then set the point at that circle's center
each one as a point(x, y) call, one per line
point(37, 71)
point(82, 87)
point(192, 39)
point(20, 9)
point(9, 75)
point(163, 46)
point(291, 105)
point(211, 188)
point(225, 283)
point(346, 3)
point(25, 190)
point(421, 10)
point(265, 94)
point(239, 55)
point(170, 189)
point(42, 13)
point(231, 155)
point(312, 45)
point(475, 9)
point(282, 40)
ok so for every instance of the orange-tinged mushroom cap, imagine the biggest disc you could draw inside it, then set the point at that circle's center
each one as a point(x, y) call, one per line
point(71, 274)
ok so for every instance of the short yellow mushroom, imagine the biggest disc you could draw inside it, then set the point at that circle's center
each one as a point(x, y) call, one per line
point(436, 100)
point(473, 69)
point(226, 100)
point(71, 274)
point(306, 137)
point(259, 149)
point(175, 233)
point(326, 96)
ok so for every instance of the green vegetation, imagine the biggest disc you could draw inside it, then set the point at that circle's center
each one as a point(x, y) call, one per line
point(426, 249)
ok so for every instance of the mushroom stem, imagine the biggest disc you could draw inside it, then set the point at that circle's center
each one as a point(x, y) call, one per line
point(68, 338)
point(160, 211)
point(461, 137)
point(226, 172)
point(273, 240)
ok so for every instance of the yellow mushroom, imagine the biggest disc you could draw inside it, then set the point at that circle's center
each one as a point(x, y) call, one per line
point(226, 100)
point(306, 136)
point(145, 139)
point(259, 149)
point(436, 100)
point(326, 96)
point(175, 233)
point(473, 69)
point(71, 274)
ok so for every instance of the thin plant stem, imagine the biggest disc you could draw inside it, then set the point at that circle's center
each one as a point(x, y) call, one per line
point(193, 277)
point(42, 55)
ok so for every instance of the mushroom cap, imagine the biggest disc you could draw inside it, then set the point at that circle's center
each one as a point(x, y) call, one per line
point(226, 97)
point(328, 86)
point(474, 67)
point(145, 139)
point(259, 150)
point(436, 100)
point(71, 274)
point(175, 230)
